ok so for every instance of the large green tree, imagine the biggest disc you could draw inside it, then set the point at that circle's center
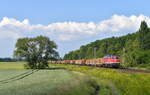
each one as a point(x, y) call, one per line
point(36, 51)
point(144, 36)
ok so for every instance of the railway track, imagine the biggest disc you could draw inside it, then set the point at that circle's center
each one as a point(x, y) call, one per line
point(132, 70)
point(119, 69)
point(125, 69)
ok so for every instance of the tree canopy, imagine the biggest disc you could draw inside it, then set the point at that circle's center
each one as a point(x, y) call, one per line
point(36, 51)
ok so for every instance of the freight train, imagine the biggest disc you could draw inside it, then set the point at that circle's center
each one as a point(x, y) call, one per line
point(111, 61)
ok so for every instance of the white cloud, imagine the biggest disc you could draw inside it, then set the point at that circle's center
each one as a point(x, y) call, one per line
point(10, 27)
point(116, 25)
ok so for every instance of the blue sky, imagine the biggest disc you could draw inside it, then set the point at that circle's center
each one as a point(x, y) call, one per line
point(47, 11)
point(71, 23)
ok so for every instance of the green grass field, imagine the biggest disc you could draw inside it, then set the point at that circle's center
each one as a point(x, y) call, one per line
point(14, 80)
point(113, 82)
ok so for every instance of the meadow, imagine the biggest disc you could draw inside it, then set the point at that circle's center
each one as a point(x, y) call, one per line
point(14, 80)
point(113, 82)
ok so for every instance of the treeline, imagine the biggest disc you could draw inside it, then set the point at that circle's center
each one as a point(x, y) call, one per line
point(133, 48)
point(7, 60)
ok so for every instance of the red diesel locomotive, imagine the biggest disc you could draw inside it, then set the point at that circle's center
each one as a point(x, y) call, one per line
point(110, 61)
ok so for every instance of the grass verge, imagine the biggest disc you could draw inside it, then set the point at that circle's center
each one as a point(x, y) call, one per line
point(142, 67)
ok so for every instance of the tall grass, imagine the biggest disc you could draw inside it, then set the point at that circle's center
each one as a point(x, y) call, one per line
point(113, 82)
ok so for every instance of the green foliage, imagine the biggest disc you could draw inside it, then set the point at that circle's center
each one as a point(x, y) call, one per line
point(132, 48)
point(37, 51)
point(144, 35)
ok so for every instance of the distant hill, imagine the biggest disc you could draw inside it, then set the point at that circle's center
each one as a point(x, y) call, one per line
point(132, 48)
